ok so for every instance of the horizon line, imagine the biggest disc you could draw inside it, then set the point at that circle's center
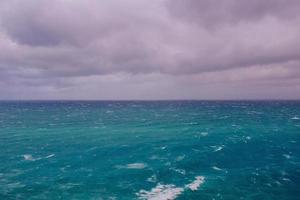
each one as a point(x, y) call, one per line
point(149, 100)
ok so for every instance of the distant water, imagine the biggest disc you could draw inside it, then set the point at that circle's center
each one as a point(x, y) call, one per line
point(192, 150)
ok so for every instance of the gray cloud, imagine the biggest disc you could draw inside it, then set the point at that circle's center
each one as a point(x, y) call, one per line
point(62, 46)
point(212, 12)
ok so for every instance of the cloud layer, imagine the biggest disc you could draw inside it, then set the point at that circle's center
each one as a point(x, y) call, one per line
point(139, 49)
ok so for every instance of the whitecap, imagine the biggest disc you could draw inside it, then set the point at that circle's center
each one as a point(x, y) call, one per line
point(161, 192)
point(179, 158)
point(49, 156)
point(28, 157)
point(286, 156)
point(286, 179)
point(154, 157)
point(196, 184)
point(248, 138)
point(277, 183)
point(217, 168)
point(295, 118)
point(152, 179)
point(136, 166)
point(133, 166)
point(217, 148)
point(204, 133)
point(31, 158)
point(180, 171)
point(170, 191)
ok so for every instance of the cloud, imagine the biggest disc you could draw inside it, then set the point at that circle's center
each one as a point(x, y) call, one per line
point(54, 44)
point(214, 12)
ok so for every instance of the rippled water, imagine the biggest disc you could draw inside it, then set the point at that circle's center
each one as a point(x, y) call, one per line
point(150, 150)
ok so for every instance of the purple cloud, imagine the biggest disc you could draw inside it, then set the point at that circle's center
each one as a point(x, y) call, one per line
point(64, 46)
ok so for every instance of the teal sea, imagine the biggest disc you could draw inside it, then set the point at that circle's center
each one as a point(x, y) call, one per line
point(156, 150)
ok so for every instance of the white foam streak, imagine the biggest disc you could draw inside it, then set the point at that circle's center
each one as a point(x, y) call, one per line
point(136, 166)
point(216, 168)
point(51, 155)
point(29, 157)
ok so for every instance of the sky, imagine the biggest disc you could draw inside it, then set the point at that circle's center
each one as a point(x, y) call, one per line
point(149, 49)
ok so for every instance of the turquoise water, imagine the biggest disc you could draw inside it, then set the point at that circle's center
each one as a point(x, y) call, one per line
point(150, 150)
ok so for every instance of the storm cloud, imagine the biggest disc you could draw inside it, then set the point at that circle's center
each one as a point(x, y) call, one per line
point(159, 49)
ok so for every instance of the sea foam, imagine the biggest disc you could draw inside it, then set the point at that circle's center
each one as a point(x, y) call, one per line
point(49, 156)
point(216, 168)
point(28, 157)
point(170, 191)
point(133, 166)
point(204, 133)
point(217, 148)
point(136, 166)
point(196, 184)
point(161, 192)
point(152, 179)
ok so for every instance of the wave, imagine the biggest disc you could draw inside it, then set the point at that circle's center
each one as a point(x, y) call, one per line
point(133, 166)
point(29, 157)
point(217, 148)
point(161, 192)
point(136, 166)
point(152, 179)
point(180, 171)
point(217, 168)
point(51, 155)
point(204, 133)
point(179, 158)
point(170, 191)
point(196, 184)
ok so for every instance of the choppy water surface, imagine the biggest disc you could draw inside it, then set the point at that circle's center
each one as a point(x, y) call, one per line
point(150, 150)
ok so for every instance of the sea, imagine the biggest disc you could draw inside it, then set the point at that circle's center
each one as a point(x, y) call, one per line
point(150, 150)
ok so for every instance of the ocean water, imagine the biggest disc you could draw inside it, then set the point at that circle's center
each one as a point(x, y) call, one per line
point(154, 150)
